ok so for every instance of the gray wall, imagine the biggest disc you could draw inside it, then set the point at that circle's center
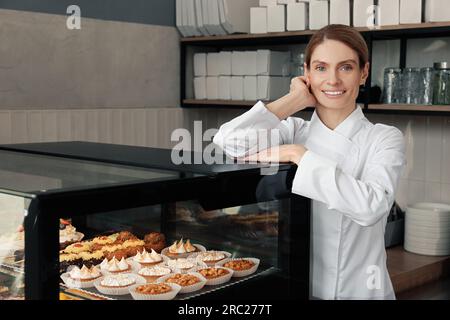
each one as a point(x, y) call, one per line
point(106, 64)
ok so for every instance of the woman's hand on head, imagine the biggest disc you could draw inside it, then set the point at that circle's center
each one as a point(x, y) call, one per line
point(284, 153)
point(300, 90)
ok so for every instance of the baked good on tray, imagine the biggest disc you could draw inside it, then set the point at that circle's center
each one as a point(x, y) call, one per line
point(151, 274)
point(239, 264)
point(213, 272)
point(180, 248)
point(211, 257)
point(115, 266)
point(155, 241)
point(183, 279)
point(84, 274)
point(147, 259)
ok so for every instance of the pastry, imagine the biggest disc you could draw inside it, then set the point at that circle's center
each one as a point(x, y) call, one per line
point(155, 241)
point(146, 259)
point(69, 259)
point(92, 258)
point(211, 257)
point(132, 247)
point(239, 264)
point(118, 281)
point(212, 273)
point(118, 254)
point(179, 247)
point(153, 273)
point(153, 288)
point(103, 240)
point(115, 266)
point(124, 236)
point(182, 264)
point(84, 274)
point(78, 247)
point(183, 280)
point(68, 233)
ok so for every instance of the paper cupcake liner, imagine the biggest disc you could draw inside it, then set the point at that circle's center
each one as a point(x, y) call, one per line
point(138, 266)
point(218, 280)
point(164, 296)
point(213, 263)
point(118, 291)
point(150, 279)
point(183, 255)
point(242, 273)
point(187, 289)
point(77, 284)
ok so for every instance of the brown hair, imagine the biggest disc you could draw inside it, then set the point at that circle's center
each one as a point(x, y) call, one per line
point(341, 33)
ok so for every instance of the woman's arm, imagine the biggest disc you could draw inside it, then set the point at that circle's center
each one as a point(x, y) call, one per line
point(364, 200)
point(264, 126)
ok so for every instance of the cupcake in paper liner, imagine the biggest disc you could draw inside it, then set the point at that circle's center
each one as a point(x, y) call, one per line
point(181, 249)
point(184, 265)
point(211, 257)
point(151, 274)
point(81, 278)
point(189, 282)
point(118, 284)
point(114, 266)
point(242, 267)
point(215, 275)
point(154, 291)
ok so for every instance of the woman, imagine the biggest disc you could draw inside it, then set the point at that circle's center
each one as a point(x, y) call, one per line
point(347, 165)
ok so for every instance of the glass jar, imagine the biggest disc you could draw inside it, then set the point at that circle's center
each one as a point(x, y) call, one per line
point(426, 86)
point(441, 83)
point(297, 65)
point(392, 85)
point(410, 86)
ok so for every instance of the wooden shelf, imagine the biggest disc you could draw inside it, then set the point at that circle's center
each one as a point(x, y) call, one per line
point(428, 26)
point(410, 107)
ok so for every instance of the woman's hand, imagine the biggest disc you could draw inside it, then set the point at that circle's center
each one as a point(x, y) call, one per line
point(298, 98)
point(284, 153)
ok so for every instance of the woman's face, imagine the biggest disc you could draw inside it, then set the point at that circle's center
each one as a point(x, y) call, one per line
point(335, 75)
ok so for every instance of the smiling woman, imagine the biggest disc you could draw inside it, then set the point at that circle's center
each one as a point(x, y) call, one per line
point(348, 166)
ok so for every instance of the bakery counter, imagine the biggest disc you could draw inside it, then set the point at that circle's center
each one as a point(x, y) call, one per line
point(96, 221)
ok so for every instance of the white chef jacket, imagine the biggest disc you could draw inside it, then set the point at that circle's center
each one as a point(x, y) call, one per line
point(351, 174)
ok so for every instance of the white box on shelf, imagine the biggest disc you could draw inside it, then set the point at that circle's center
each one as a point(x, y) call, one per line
point(297, 16)
point(225, 63)
point(388, 12)
point(273, 63)
point(318, 14)
point(363, 13)
point(235, 15)
point(258, 20)
point(266, 3)
point(200, 88)
point(250, 58)
point(212, 88)
point(410, 11)
point(212, 64)
point(276, 18)
point(340, 12)
point(200, 64)
point(437, 11)
point(286, 1)
point(238, 63)
point(272, 88)
point(225, 88)
point(250, 88)
point(237, 88)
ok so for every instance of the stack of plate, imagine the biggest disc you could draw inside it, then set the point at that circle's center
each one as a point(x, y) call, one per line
point(427, 229)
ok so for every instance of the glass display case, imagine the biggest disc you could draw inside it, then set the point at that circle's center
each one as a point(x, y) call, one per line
point(98, 221)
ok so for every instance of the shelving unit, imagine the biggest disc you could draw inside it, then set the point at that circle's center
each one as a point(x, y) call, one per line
point(397, 32)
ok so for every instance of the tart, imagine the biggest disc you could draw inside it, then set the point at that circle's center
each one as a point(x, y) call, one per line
point(84, 274)
point(239, 264)
point(182, 264)
point(212, 273)
point(212, 257)
point(115, 266)
point(118, 281)
point(180, 248)
point(78, 247)
point(183, 280)
point(153, 273)
point(153, 288)
point(147, 259)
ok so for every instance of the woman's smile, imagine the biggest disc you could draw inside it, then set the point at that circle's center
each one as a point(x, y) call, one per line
point(334, 94)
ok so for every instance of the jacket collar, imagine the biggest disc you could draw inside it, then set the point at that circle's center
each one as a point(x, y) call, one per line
point(346, 128)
